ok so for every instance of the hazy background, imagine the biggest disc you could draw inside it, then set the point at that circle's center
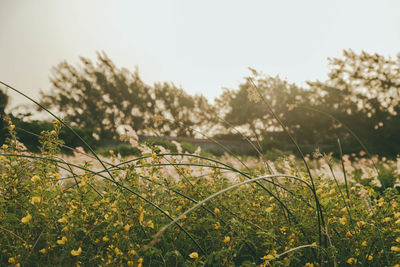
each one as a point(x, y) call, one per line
point(199, 45)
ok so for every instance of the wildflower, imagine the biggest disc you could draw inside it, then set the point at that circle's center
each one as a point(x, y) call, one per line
point(4, 146)
point(343, 220)
point(361, 223)
point(127, 227)
point(11, 260)
point(117, 251)
point(269, 209)
point(370, 258)
point(76, 252)
point(62, 220)
point(26, 219)
point(62, 241)
point(194, 255)
point(352, 260)
point(11, 127)
point(140, 261)
point(132, 252)
point(141, 215)
point(53, 133)
point(283, 229)
point(105, 238)
point(216, 211)
point(385, 220)
point(217, 225)
point(43, 251)
point(398, 240)
point(364, 244)
point(395, 249)
point(35, 178)
point(268, 257)
point(348, 234)
point(150, 224)
point(36, 200)
point(309, 265)
point(227, 239)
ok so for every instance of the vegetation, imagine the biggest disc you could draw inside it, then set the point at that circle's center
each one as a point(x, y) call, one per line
point(173, 209)
point(163, 203)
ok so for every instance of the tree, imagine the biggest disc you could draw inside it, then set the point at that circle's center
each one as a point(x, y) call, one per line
point(101, 97)
point(363, 91)
point(245, 109)
point(3, 102)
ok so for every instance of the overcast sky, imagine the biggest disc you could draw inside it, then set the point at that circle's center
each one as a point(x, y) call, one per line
point(201, 46)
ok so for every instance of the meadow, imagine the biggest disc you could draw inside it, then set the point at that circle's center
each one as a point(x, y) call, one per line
point(168, 208)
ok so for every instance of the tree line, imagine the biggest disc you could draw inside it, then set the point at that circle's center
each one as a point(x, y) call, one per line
point(361, 93)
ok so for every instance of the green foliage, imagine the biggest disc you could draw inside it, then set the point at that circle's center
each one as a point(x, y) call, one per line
point(123, 150)
point(56, 213)
point(28, 131)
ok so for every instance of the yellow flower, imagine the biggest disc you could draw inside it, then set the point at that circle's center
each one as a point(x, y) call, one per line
point(216, 211)
point(53, 133)
point(62, 241)
point(395, 249)
point(194, 255)
point(227, 239)
point(150, 224)
point(36, 200)
point(127, 227)
point(140, 261)
point(343, 220)
point(26, 219)
point(217, 225)
point(132, 252)
point(364, 244)
point(62, 220)
point(4, 146)
point(348, 234)
point(309, 265)
point(370, 258)
point(105, 238)
point(268, 257)
point(361, 223)
point(11, 260)
point(269, 209)
point(35, 178)
point(11, 127)
point(76, 252)
point(351, 260)
point(385, 220)
point(141, 215)
point(117, 251)
point(43, 251)
point(398, 240)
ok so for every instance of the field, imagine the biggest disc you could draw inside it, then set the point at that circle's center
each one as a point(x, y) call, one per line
point(180, 209)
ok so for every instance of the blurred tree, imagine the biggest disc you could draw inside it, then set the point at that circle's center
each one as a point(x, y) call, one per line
point(3, 105)
point(244, 108)
point(363, 91)
point(101, 97)
point(3, 102)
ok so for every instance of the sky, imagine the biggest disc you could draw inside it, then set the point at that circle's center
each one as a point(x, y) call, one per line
point(201, 46)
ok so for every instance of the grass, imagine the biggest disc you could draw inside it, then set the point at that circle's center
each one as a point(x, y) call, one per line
point(167, 208)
